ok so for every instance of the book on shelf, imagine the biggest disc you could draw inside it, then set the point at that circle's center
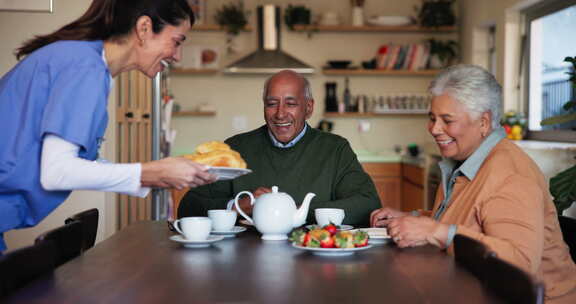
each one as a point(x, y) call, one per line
point(408, 57)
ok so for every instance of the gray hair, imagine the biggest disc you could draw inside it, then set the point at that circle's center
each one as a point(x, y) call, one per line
point(472, 86)
point(305, 82)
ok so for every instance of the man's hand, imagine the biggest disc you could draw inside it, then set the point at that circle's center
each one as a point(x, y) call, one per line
point(244, 201)
point(381, 217)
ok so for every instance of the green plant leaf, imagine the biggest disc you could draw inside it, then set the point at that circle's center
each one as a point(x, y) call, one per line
point(563, 188)
point(558, 119)
point(568, 105)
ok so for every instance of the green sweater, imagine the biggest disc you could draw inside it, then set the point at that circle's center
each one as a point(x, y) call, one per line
point(320, 162)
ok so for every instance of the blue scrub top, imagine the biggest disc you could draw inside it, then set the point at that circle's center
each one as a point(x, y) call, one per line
point(62, 89)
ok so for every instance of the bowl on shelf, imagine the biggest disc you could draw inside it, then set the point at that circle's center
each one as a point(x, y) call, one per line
point(339, 64)
point(390, 20)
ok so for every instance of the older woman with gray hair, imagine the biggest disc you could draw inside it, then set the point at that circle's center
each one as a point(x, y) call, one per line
point(491, 190)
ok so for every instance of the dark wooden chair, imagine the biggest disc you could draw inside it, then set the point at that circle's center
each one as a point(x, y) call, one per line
point(568, 226)
point(505, 280)
point(89, 221)
point(21, 266)
point(67, 239)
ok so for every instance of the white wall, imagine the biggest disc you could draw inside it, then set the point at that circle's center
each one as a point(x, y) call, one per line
point(240, 96)
point(15, 28)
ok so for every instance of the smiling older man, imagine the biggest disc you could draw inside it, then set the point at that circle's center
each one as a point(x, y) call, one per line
point(288, 153)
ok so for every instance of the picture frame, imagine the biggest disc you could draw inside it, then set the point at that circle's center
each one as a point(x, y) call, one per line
point(39, 6)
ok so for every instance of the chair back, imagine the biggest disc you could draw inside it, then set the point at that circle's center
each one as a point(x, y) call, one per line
point(505, 280)
point(89, 221)
point(67, 239)
point(568, 227)
point(21, 266)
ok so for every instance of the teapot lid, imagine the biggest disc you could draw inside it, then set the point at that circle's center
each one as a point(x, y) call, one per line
point(274, 189)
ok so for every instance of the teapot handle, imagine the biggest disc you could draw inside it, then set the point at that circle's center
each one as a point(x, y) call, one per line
point(249, 219)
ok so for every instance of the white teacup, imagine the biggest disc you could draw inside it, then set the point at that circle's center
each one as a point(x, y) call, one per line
point(194, 228)
point(222, 219)
point(325, 216)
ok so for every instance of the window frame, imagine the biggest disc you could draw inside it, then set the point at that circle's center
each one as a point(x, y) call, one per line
point(536, 11)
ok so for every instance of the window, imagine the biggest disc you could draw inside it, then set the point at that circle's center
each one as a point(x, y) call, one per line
point(550, 27)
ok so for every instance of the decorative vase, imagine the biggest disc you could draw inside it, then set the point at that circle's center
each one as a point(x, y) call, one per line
point(357, 16)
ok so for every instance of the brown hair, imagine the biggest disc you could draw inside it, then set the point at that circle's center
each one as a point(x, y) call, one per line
point(110, 19)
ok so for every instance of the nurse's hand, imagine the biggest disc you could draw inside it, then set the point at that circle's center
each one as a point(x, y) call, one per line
point(381, 217)
point(175, 172)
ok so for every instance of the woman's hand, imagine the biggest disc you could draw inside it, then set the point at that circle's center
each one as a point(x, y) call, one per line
point(175, 172)
point(410, 231)
point(381, 217)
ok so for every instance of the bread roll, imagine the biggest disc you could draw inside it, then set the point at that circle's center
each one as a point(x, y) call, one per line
point(212, 146)
point(219, 158)
point(217, 154)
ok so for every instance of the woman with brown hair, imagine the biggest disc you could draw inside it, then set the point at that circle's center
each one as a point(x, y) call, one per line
point(53, 108)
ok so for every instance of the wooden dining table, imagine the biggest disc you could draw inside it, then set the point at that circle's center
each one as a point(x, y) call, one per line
point(140, 264)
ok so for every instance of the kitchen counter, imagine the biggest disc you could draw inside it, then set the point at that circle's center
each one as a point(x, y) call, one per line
point(372, 157)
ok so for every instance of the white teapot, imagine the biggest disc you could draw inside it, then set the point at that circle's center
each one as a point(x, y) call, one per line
point(275, 214)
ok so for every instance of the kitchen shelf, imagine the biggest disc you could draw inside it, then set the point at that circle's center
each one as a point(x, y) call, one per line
point(374, 28)
point(377, 72)
point(193, 113)
point(193, 71)
point(374, 115)
point(215, 28)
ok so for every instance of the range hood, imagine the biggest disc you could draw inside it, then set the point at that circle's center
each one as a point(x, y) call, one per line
point(269, 58)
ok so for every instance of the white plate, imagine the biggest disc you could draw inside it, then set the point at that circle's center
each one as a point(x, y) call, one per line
point(377, 235)
point(196, 244)
point(225, 173)
point(231, 233)
point(332, 251)
point(341, 227)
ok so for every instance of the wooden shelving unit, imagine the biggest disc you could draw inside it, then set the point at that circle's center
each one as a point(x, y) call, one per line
point(374, 28)
point(374, 115)
point(215, 28)
point(377, 72)
point(193, 113)
point(193, 71)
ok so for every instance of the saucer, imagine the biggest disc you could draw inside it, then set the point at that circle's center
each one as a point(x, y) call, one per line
point(231, 233)
point(377, 235)
point(196, 244)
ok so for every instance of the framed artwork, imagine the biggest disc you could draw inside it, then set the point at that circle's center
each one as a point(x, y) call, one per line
point(43, 6)
point(199, 9)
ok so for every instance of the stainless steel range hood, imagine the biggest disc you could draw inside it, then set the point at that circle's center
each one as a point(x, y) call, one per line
point(269, 58)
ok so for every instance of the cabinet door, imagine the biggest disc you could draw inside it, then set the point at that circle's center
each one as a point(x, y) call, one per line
point(387, 179)
point(388, 190)
point(412, 196)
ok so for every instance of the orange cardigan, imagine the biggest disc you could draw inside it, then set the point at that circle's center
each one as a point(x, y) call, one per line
point(507, 207)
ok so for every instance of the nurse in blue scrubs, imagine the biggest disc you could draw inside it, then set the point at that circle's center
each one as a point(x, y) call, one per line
point(53, 108)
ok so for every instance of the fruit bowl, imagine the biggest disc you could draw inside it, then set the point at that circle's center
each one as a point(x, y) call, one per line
point(339, 64)
point(332, 252)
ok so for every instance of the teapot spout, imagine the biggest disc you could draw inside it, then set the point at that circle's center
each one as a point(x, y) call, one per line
point(302, 212)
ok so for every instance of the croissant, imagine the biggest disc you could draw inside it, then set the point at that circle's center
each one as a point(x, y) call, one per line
point(217, 154)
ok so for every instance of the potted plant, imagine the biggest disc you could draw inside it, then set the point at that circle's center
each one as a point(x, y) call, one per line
point(435, 13)
point(296, 14)
point(563, 185)
point(232, 18)
point(442, 53)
